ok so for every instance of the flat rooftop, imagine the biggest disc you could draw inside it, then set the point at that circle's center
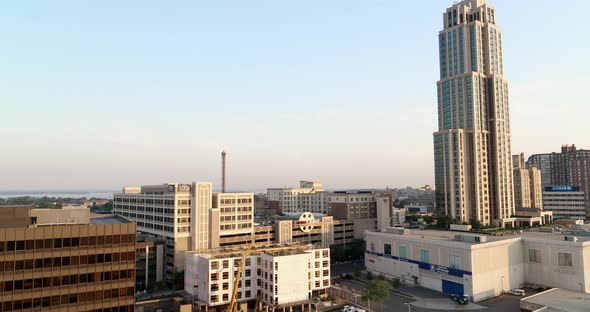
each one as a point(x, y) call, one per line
point(557, 299)
point(441, 235)
point(274, 250)
point(96, 218)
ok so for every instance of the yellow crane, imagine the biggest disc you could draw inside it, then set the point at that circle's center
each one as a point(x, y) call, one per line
point(245, 254)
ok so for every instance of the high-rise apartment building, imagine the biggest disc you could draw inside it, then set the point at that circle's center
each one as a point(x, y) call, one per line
point(187, 216)
point(64, 260)
point(472, 149)
point(528, 189)
point(570, 167)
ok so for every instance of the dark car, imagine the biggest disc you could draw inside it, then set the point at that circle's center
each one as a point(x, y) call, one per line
point(460, 299)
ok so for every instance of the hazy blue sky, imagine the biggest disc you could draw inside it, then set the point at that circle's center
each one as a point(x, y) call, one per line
point(106, 94)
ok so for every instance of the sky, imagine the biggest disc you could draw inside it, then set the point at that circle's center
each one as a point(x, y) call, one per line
point(107, 94)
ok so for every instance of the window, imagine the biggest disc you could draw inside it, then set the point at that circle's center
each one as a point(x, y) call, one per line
point(454, 261)
point(387, 249)
point(564, 259)
point(403, 252)
point(425, 256)
point(372, 246)
point(534, 255)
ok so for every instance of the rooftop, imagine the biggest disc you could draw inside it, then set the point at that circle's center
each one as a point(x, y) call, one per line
point(557, 299)
point(274, 250)
point(440, 235)
point(96, 218)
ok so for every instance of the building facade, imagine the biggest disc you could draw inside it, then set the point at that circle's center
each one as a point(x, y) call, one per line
point(566, 202)
point(53, 266)
point(570, 167)
point(276, 275)
point(478, 265)
point(187, 216)
point(472, 146)
point(308, 197)
point(528, 189)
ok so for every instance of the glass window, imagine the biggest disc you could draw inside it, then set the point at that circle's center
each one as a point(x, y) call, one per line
point(534, 255)
point(387, 249)
point(564, 259)
point(454, 261)
point(403, 252)
point(425, 256)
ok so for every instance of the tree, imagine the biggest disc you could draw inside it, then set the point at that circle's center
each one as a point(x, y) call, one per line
point(396, 283)
point(443, 222)
point(378, 291)
point(357, 272)
point(475, 224)
point(369, 275)
point(428, 219)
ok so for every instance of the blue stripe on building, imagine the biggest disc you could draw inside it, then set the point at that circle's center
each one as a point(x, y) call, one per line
point(424, 265)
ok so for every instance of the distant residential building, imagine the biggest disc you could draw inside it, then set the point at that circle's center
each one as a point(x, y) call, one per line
point(398, 216)
point(277, 276)
point(352, 205)
point(565, 202)
point(66, 260)
point(308, 197)
point(260, 202)
point(570, 167)
point(528, 189)
point(419, 196)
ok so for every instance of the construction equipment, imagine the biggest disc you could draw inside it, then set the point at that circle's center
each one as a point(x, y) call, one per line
point(233, 307)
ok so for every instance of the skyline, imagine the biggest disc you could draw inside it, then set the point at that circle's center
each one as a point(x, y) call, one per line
point(335, 68)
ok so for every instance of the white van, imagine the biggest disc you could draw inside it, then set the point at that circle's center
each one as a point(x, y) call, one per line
point(517, 292)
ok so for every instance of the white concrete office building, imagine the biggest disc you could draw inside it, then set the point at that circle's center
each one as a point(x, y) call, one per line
point(308, 197)
point(478, 265)
point(278, 275)
point(187, 216)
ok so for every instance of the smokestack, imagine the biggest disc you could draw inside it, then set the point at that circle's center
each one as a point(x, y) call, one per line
point(223, 171)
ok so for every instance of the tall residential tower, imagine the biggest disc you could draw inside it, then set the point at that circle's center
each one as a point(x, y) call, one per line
point(473, 167)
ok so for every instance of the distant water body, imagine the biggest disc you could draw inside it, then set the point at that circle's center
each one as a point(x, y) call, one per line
point(63, 194)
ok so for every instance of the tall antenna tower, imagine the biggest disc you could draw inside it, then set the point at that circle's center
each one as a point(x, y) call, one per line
point(223, 171)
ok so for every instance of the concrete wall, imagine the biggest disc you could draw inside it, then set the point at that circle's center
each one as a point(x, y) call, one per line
point(497, 267)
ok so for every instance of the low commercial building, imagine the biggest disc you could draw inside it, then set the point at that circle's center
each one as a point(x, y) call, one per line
point(66, 260)
point(480, 266)
point(566, 202)
point(279, 275)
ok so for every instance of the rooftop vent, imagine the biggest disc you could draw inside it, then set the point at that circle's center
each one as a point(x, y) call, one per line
point(397, 230)
point(470, 238)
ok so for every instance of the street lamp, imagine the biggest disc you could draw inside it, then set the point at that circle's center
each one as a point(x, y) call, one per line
point(409, 306)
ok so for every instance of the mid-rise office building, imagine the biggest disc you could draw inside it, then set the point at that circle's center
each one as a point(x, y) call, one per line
point(187, 216)
point(472, 146)
point(528, 189)
point(566, 202)
point(149, 262)
point(66, 260)
point(480, 266)
point(570, 167)
point(279, 275)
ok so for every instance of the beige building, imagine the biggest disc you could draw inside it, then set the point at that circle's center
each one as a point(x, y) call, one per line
point(472, 146)
point(528, 188)
point(308, 197)
point(480, 266)
point(187, 216)
point(61, 263)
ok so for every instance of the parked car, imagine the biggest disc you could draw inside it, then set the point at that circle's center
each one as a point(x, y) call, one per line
point(460, 299)
point(517, 292)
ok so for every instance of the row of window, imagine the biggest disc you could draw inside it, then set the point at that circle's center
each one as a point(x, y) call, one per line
point(9, 266)
point(167, 202)
point(563, 258)
point(74, 279)
point(454, 260)
point(53, 301)
point(66, 242)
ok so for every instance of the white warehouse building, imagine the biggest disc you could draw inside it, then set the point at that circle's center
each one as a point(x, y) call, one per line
point(480, 266)
point(279, 275)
